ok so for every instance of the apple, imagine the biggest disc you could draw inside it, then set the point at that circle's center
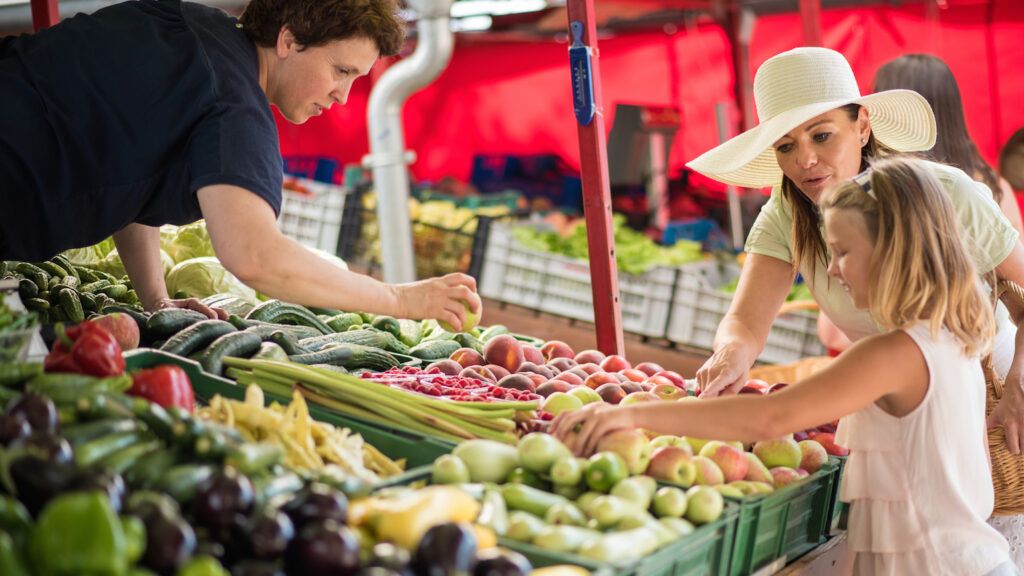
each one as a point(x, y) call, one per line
point(779, 452)
point(830, 427)
point(730, 491)
point(674, 377)
point(633, 374)
point(658, 380)
point(551, 386)
point(828, 441)
point(638, 397)
point(759, 384)
point(468, 323)
point(611, 393)
point(447, 367)
point(561, 402)
point(568, 471)
point(751, 390)
point(729, 459)
point(783, 476)
point(631, 445)
point(708, 473)
point(703, 505)
point(672, 464)
point(814, 455)
point(538, 451)
point(122, 327)
point(531, 354)
point(680, 526)
point(556, 349)
point(589, 357)
point(597, 379)
point(756, 470)
point(586, 395)
point(649, 368)
point(562, 364)
point(581, 373)
point(669, 502)
point(695, 443)
point(646, 386)
point(569, 378)
point(801, 436)
point(505, 351)
point(667, 440)
point(762, 487)
point(467, 357)
point(639, 490)
point(630, 387)
point(776, 387)
point(615, 363)
point(667, 392)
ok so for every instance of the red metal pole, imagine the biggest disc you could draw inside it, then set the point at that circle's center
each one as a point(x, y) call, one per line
point(597, 199)
point(810, 16)
point(45, 13)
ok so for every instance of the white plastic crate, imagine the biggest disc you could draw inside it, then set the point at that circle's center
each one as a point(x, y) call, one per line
point(555, 284)
point(313, 219)
point(700, 305)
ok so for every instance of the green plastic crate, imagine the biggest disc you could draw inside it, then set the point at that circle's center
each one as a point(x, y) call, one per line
point(417, 450)
point(706, 552)
point(784, 524)
point(840, 509)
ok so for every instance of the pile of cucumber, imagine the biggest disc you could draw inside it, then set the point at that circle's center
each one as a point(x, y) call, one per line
point(59, 291)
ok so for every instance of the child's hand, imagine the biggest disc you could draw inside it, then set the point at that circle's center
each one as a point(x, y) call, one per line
point(1009, 413)
point(581, 429)
point(444, 299)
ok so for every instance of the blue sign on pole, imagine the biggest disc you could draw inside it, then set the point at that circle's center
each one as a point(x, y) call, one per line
point(582, 83)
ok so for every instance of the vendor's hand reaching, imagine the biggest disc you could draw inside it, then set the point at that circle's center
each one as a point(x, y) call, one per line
point(444, 299)
point(724, 373)
point(1009, 413)
point(191, 304)
point(581, 430)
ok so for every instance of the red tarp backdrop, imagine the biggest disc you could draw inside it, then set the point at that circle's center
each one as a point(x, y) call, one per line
point(514, 97)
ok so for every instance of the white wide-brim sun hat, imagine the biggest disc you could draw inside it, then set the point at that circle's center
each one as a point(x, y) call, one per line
point(795, 86)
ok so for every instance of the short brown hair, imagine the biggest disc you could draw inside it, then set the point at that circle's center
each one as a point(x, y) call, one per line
point(317, 22)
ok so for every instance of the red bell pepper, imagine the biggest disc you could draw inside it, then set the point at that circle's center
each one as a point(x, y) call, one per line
point(167, 386)
point(86, 348)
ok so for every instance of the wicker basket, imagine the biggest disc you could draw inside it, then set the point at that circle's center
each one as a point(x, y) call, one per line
point(792, 372)
point(1007, 468)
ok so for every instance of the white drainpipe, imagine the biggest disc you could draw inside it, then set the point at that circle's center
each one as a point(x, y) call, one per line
point(388, 157)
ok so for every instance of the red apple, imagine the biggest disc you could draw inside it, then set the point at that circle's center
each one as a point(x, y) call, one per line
point(467, 357)
point(531, 354)
point(646, 386)
point(747, 389)
point(630, 387)
point(590, 356)
point(596, 380)
point(621, 377)
point(122, 327)
point(758, 383)
point(674, 377)
point(828, 440)
point(634, 374)
point(649, 368)
point(776, 387)
point(668, 392)
point(615, 363)
point(656, 380)
point(556, 349)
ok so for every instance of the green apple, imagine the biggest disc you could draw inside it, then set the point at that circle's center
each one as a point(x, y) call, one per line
point(468, 324)
point(585, 395)
point(561, 402)
point(538, 451)
point(669, 502)
point(450, 469)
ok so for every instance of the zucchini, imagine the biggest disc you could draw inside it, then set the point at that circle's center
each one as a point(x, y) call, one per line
point(344, 321)
point(387, 324)
point(349, 356)
point(119, 461)
point(237, 344)
point(196, 336)
point(150, 468)
point(170, 321)
point(435, 349)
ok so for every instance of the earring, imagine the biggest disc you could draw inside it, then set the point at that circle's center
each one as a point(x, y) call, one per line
point(863, 141)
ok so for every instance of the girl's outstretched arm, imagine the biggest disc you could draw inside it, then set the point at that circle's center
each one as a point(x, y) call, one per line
point(888, 367)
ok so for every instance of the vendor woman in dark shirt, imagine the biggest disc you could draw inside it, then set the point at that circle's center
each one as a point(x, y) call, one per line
point(155, 112)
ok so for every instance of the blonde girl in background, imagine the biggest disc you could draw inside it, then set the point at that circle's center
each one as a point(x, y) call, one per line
point(911, 399)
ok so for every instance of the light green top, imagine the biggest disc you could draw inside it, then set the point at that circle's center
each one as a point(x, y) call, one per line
point(990, 235)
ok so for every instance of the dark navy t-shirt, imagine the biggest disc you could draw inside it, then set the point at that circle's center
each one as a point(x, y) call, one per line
point(122, 116)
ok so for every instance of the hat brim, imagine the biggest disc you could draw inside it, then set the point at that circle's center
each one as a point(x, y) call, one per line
point(900, 119)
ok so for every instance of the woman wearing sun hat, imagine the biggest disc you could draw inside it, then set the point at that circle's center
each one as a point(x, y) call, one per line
point(817, 131)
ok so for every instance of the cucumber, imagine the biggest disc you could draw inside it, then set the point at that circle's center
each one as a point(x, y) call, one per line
point(172, 320)
point(94, 287)
point(85, 274)
point(344, 321)
point(532, 500)
point(286, 343)
point(387, 324)
point(182, 482)
point(119, 461)
point(493, 331)
point(265, 329)
point(468, 341)
point(33, 273)
point(115, 291)
point(150, 468)
point(271, 351)
point(82, 432)
point(374, 338)
point(411, 332)
point(93, 451)
point(71, 305)
point(53, 270)
point(65, 264)
point(27, 289)
point(252, 458)
point(197, 336)
point(36, 304)
point(435, 349)
point(237, 344)
point(275, 311)
point(349, 356)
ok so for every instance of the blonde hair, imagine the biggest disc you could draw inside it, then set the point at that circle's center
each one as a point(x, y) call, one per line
point(920, 268)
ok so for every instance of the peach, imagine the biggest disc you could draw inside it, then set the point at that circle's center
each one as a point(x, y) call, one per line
point(649, 368)
point(672, 464)
point(637, 397)
point(759, 384)
point(580, 373)
point(708, 473)
point(569, 377)
point(776, 387)
point(467, 357)
point(531, 354)
point(828, 441)
point(590, 357)
point(480, 373)
point(633, 374)
point(537, 379)
point(814, 455)
point(779, 452)
point(658, 380)
point(447, 367)
point(631, 444)
point(615, 363)
point(504, 351)
point(531, 367)
point(596, 380)
point(621, 377)
point(562, 364)
point(756, 470)
point(611, 393)
point(783, 476)
point(518, 382)
point(747, 389)
point(728, 458)
point(630, 387)
point(556, 349)
point(551, 386)
point(589, 367)
point(498, 371)
point(674, 377)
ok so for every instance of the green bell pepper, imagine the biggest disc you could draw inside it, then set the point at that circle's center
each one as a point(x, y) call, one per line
point(203, 566)
point(11, 563)
point(79, 534)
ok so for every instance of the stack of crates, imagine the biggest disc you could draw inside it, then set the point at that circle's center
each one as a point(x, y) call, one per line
point(311, 203)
